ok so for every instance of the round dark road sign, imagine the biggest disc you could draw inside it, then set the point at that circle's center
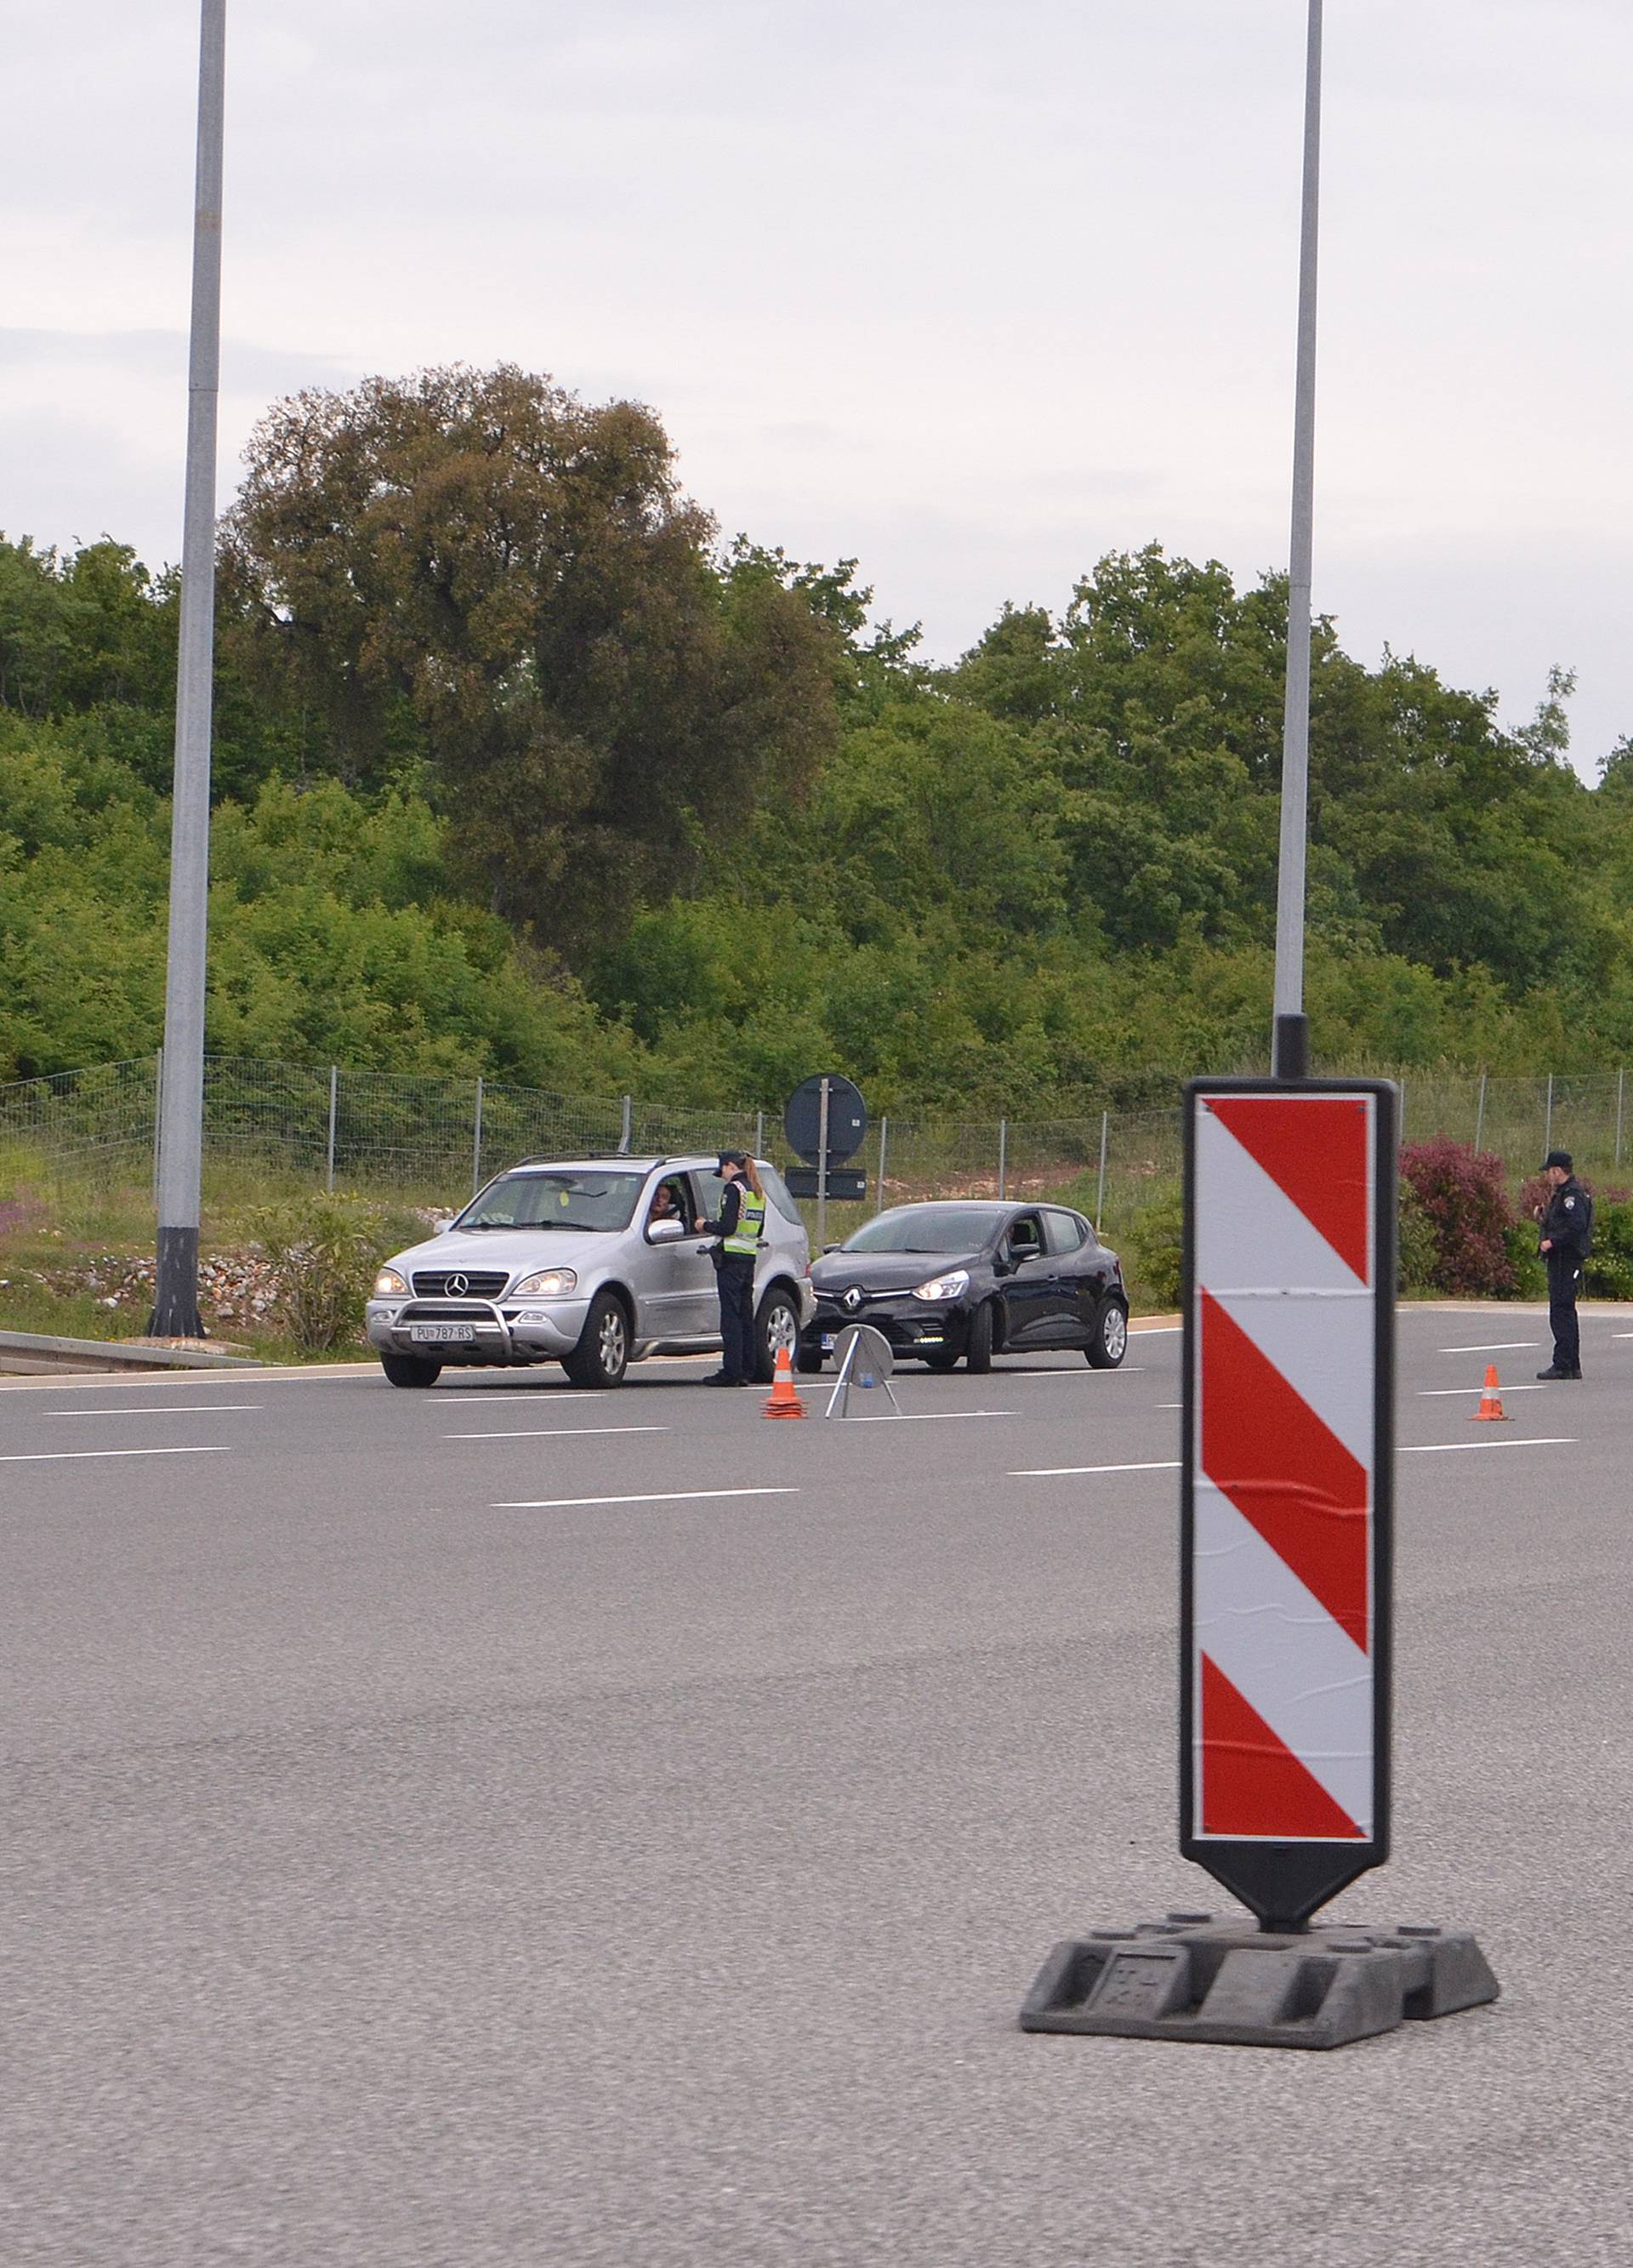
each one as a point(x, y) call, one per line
point(847, 1120)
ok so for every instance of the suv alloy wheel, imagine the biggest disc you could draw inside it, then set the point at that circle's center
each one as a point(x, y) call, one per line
point(776, 1326)
point(602, 1354)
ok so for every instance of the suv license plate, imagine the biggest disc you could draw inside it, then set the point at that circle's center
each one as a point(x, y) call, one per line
point(828, 1342)
point(441, 1332)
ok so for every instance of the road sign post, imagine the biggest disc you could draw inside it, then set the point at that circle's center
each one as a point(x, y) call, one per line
point(822, 1163)
point(1285, 1600)
point(824, 1121)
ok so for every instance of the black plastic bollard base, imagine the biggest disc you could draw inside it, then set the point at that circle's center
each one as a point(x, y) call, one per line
point(1191, 1978)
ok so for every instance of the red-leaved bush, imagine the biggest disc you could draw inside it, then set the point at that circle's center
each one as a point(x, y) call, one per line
point(1465, 1199)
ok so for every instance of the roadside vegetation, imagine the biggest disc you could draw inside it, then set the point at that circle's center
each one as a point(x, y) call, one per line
point(521, 771)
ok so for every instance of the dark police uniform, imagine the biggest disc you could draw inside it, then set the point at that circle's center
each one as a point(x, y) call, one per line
point(738, 1231)
point(1566, 1230)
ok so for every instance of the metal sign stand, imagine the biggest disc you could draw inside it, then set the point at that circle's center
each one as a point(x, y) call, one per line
point(865, 1363)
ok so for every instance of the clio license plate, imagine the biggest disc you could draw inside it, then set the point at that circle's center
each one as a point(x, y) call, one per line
point(441, 1334)
point(828, 1342)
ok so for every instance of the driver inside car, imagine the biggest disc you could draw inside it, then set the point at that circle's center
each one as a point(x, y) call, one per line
point(665, 1205)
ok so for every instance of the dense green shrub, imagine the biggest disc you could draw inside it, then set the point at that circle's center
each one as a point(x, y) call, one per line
point(1609, 1271)
point(1464, 1197)
point(1417, 1251)
point(1530, 1275)
point(1151, 1254)
point(325, 1255)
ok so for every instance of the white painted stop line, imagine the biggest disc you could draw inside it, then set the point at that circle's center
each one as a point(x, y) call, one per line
point(66, 1456)
point(160, 1410)
point(1443, 1449)
point(674, 1496)
point(1065, 1472)
point(551, 1433)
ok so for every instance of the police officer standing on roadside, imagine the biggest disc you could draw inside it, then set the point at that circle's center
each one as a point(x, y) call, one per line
point(738, 1233)
point(1567, 1222)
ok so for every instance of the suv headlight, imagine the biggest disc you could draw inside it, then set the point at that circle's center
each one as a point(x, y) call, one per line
point(549, 1283)
point(388, 1284)
point(950, 1286)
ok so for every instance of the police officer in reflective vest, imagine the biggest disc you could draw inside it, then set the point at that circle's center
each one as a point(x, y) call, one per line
point(738, 1232)
point(1567, 1237)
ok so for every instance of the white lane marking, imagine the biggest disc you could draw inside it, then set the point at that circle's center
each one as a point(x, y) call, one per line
point(1125, 1370)
point(61, 1456)
point(1064, 1472)
point(927, 1417)
point(1439, 1448)
point(1622, 1335)
point(1154, 1330)
point(163, 1409)
point(674, 1496)
point(552, 1433)
point(1493, 1346)
point(1439, 1393)
point(480, 1394)
point(1171, 1405)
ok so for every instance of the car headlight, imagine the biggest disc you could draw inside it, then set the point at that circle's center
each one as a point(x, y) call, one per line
point(950, 1286)
point(549, 1283)
point(388, 1284)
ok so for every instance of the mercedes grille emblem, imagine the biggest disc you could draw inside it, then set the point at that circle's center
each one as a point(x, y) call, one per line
point(853, 1298)
point(459, 1286)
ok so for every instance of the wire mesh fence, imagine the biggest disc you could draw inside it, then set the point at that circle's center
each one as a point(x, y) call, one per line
point(438, 1137)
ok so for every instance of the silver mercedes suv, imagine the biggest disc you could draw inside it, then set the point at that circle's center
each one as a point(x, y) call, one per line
point(592, 1263)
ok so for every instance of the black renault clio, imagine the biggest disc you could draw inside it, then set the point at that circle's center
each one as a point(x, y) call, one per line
point(972, 1279)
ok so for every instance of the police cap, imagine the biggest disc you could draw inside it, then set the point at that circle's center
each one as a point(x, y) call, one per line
point(1560, 1158)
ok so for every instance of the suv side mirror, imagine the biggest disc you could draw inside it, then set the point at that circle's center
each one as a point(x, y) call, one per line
point(441, 1228)
point(827, 1248)
point(667, 1231)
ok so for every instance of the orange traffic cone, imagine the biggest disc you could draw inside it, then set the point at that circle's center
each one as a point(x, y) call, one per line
point(784, 1401)
point(1490, 1411)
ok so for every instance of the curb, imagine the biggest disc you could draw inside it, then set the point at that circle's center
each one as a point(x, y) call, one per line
point(36, 1351)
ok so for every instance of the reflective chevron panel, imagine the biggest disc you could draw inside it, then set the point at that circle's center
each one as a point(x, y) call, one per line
point(1288, 1453)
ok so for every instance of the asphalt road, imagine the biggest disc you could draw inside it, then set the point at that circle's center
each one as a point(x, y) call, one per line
point(514, 1825)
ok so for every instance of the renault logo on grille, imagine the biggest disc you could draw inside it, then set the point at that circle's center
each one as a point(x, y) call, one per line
point(853, 1298)
point(459, 1286)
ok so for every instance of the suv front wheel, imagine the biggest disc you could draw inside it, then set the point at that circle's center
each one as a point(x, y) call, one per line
point(602, 1354)
point(410, 1370)
point(776, 1327)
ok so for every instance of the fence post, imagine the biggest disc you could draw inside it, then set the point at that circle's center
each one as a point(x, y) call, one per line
point(1402, 1087)
point(884, 1131)
point(1099, 1194)
point(158, 1094)
point(1547, 1122)
point(476, 1145)
point(1620, 1080)
point(626, 1127)
point(759, 1132)
point(1480, 1111)
point(1003, 1156)
point(333, 1102)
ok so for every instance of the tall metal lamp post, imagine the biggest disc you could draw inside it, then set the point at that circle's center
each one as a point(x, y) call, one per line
point(1290, 1045)
point(182, 1100)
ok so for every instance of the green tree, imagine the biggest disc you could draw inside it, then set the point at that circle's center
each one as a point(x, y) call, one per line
point(480, 565)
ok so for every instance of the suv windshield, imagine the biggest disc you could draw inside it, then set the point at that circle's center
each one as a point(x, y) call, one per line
point(579, 1198)
point(928, 1228)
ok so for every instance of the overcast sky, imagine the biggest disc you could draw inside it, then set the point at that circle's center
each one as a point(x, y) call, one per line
point(972, 293)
